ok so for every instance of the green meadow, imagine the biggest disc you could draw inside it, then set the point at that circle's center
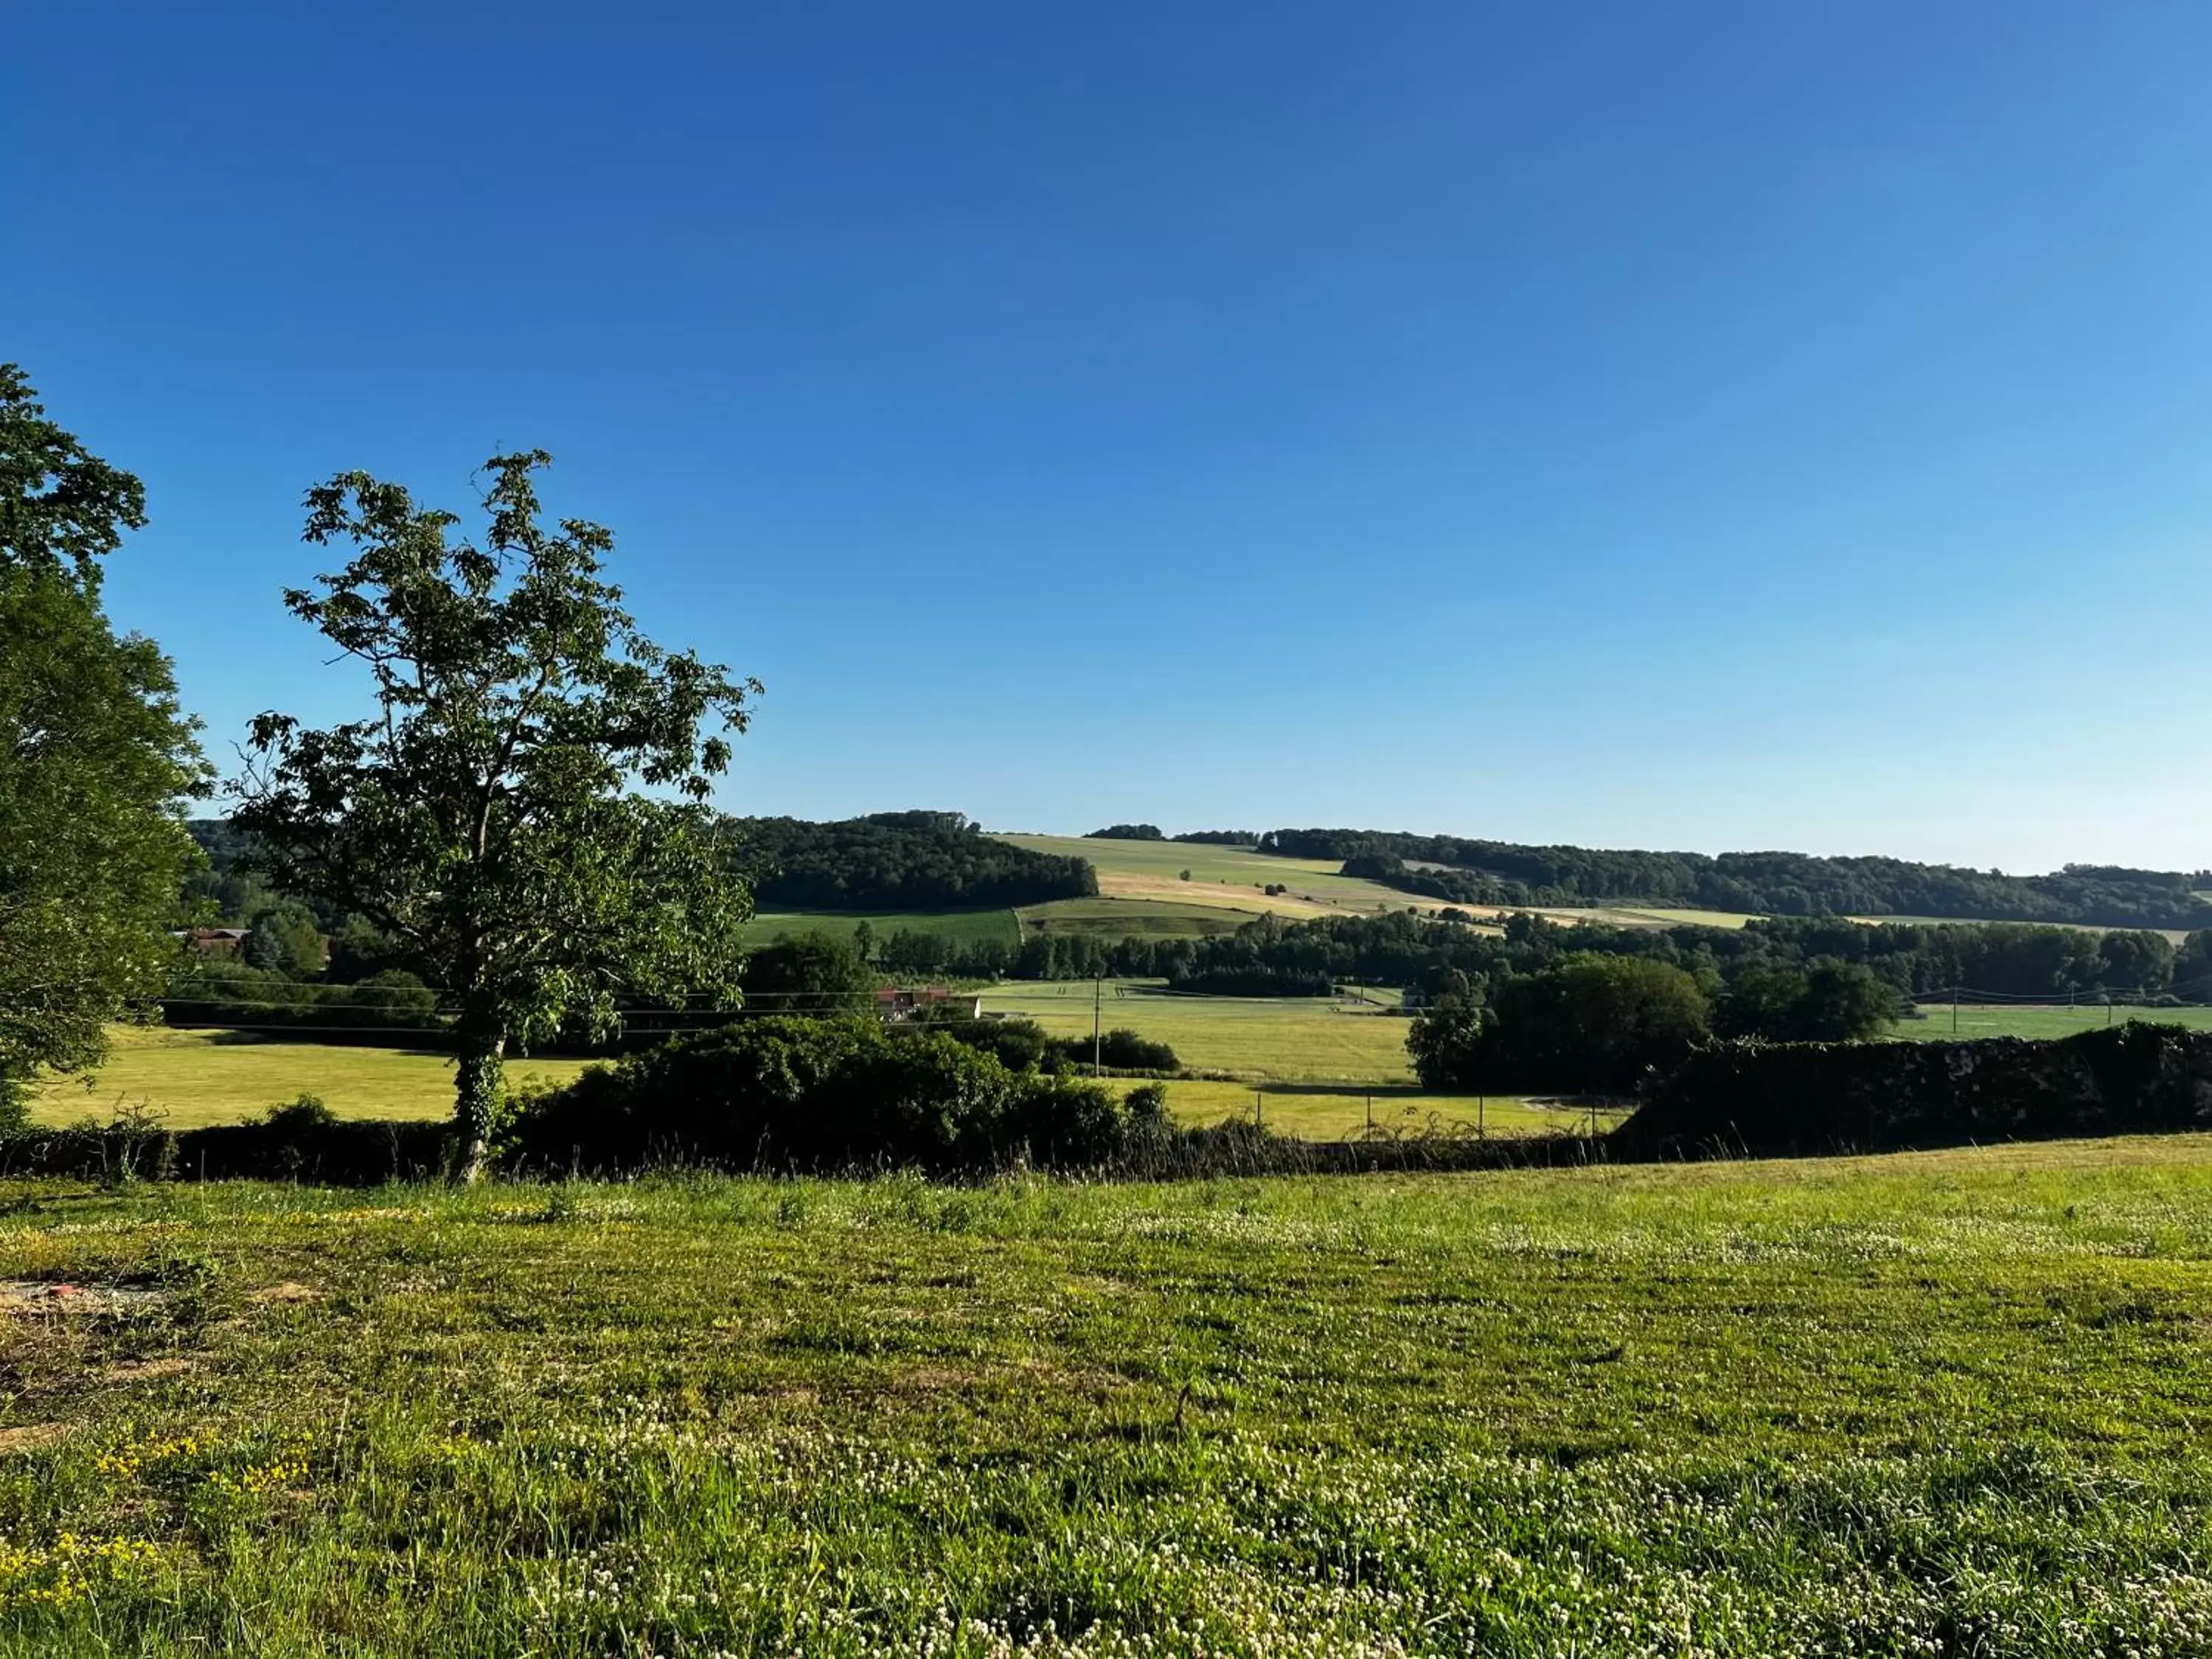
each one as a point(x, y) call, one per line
point(1946, 1404)
point(1292, 1039)
point(998, 924)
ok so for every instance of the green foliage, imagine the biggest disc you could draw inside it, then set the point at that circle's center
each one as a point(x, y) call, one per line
point(1828, 1002)
point(483, 816)
point(1587, 1024)
point(916, 861)
point(1127, 832)
point(779, 1092)
point(1466, 871)
point(1763, 1098)
point(1445, 1039)
point(62, 508)
point(1118, 1049)
point(96, 757)
point(1949, 1405)
point(809, 973)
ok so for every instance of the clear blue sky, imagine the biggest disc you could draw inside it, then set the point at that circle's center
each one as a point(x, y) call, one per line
point(1684, 425)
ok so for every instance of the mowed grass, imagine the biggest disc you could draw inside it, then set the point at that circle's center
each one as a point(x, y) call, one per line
point(194, 1078)
point(1335, 1112)
point(1943, 1405)
point(1288, 1038)
point(2037, 1020)
point(1121, 918)
point(1224, 877)
point(998, 924)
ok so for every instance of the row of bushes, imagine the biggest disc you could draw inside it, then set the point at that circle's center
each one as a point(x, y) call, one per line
point(1753, 1097)
point(791, 1093)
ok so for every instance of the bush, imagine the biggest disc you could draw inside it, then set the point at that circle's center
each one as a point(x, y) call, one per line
point(1121, 1049)
point(791, 1093)
point(1817, 1097)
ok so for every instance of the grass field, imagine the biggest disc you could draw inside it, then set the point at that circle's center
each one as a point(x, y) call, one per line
point(1288, 1038)
point(1941, 1405)
point(193, 1078)
point(1323, 1111)
point(839, 924)
point(2035, 1020)
point(1126, 918)
point(1224, 878)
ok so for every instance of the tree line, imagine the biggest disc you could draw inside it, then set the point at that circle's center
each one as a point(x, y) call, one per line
point(1468, 871)
point(912, 860)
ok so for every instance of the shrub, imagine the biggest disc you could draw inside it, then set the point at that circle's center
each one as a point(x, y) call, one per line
point(1121, 1049)
point(787, 1092)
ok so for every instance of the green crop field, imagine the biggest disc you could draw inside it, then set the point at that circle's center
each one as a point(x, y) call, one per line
point(1291, 1038)
point(192, 1078)
point(1943, 1405)
point(2035, 1020)
point(1225, 877)
point(998, 924)
point(1115, 918)
point(1321, 1111)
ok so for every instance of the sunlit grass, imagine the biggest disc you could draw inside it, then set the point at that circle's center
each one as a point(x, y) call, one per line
point(1943, 1404)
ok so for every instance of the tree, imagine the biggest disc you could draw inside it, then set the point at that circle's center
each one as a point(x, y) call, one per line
point(1843, 1002)
point(97, 757)
point(2192, 966)
point(486, 818)
point(809, 974)
point(2139, 961)
point(1593, 1022)
point(1446, 1037)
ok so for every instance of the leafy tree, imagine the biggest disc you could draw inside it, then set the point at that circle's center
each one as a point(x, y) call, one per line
point(485, 816)
point(95, 758)
point(1593, 1022)
point(809, 974)
point(1843, 1002)
point(863, 941)
point(1446, 1037)
point(2192, 966)
point(2137, 960)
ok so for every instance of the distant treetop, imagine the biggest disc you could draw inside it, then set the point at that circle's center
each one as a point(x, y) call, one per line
point(1127, 832)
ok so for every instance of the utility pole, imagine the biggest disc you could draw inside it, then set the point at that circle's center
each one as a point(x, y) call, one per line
point(1098, 1006)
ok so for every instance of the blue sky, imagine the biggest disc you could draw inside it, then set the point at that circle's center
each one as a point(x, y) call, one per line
point(1699, 425)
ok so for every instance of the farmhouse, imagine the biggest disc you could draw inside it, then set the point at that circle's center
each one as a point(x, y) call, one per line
point(212, 941)
point(895, 1005)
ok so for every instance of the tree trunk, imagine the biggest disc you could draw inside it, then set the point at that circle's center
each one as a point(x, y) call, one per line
point(479, 1090)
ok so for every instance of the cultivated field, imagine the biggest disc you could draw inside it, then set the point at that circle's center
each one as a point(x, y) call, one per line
point(1288, 1038)
point(998, 924)
point(1946, 1404)
point(2037, 1020)
point(192, 1078)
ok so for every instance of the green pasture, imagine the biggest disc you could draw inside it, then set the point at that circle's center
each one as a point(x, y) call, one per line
point(1121, 918)
point(1941, 1405)
point(194, 1078)
point(1225, 877)
point(1323, 1111)
point(2037, 1020)
point(998, 924)
point(1288, 1038)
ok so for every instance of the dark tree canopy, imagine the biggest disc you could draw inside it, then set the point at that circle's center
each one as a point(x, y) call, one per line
point(97, 757)
point(485, 816)
point(1466, 871)
point(915, 861)
point(62, 508)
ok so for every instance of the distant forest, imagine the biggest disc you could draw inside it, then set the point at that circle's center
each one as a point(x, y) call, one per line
point(1463, 872)
point(900, 861)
